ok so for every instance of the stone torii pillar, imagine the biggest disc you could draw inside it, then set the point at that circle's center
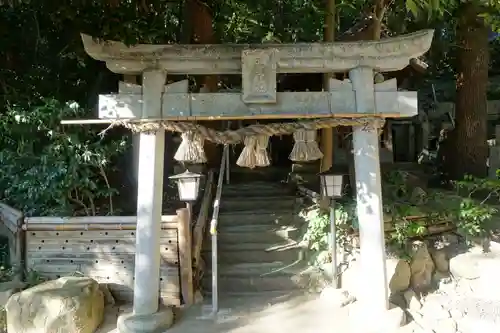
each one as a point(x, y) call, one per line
point(145, 316)
point(374, 295)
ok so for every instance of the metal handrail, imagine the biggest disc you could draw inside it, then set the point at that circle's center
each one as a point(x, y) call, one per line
point(213, 229)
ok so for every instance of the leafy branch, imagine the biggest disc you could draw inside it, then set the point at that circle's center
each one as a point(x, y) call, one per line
point(49, 171)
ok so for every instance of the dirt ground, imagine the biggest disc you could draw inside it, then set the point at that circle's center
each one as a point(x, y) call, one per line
point(289, 314)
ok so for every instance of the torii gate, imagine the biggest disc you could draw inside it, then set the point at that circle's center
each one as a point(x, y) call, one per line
point(259, 65)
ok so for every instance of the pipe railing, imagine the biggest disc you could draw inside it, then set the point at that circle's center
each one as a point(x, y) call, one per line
point(213, 229)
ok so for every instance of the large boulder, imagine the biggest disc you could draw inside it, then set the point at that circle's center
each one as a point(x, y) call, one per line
point(68, 304)
point(422, 267)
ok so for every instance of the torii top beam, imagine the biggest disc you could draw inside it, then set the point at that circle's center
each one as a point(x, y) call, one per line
point(391, 54)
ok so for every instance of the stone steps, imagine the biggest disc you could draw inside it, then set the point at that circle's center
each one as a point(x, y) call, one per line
point(241, 234)
point(255, 253)
point(258, 234)
point(248, 296)
point(274, 203)
point(268, 174)
point(258, 269)
point(256, 217)
point(255, 190)
point(254, 284)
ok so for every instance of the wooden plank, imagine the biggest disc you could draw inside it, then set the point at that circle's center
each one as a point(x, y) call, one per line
point(211, 106)
point(35, 236)
point(87, 227)
point(10, 217)
point(202, 221)
point(124, 289)
point(185, 257)
point(166, 258)
point(94, 263)
point(92, 219)
point(125, 278)
point(13, 213)
point(383, 55)
point(95, 247)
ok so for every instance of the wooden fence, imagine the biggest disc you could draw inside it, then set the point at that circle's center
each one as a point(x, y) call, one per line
point(11, 220)
point(103, 248)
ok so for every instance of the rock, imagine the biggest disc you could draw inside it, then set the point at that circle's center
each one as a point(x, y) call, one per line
point(367, 322)
point(440, 258)
point(442, 281)
point(398, 274)
point(412, 301)
point(336, 298)
point(422, 267)
point(447, 325)
point(465, 265)
point(433, 309)
point(398, 299)
point(69, 304)
point(155, 323)
point(456, 314)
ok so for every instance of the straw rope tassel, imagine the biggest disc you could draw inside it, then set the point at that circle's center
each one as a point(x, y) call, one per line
point(312, 144)
point(261, 156)
point(191, 149)
point(199, 142)
point(248, 158)
point(305, 147)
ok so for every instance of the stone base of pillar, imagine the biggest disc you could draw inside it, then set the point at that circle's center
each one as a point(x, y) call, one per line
point(157, 322)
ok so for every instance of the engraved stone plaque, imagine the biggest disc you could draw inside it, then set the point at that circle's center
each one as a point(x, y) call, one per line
point(259, 76)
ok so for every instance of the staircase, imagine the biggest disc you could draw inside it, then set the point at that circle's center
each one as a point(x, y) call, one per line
point(258, 233)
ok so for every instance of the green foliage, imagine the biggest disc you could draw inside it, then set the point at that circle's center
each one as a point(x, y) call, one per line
point(319, 226)
point(33, 278)
point(317, 232)
point(48, 169)
point(403, 202)
point(477, 210)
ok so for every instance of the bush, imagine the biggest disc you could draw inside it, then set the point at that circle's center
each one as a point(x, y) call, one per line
point(49, 169)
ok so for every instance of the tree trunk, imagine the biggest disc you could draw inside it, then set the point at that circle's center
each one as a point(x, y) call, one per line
point(202, 33)
point(468, 145)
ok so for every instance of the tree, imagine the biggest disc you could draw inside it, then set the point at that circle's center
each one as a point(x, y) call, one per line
point(468, 140)
point(467, 149)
